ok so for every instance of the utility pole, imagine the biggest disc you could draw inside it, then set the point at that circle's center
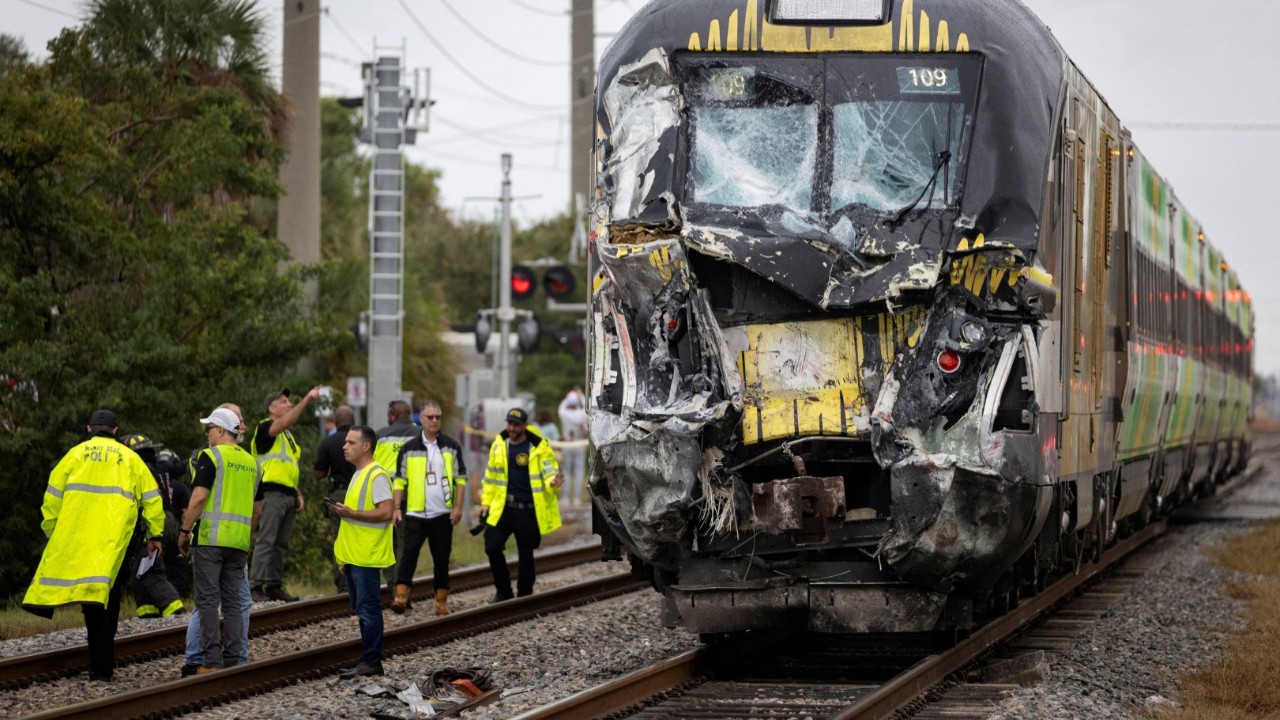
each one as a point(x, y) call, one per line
point(298, 224)
point(582, 85)
point(506, 313)
point(393, 116)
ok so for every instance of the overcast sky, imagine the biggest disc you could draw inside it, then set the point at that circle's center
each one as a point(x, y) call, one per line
point(1179, 73)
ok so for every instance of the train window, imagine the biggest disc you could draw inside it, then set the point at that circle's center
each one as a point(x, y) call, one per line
point(843, 134)
point(902, 150)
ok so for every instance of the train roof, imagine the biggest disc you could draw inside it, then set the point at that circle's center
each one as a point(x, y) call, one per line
point(1005, 30)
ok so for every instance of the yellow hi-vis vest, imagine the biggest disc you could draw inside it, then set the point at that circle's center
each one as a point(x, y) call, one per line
point(542, 470)
point(227, 515)
point(90, 510)
point(280, 464)
point(362, 543)
point(387, 451)
point(411, 477)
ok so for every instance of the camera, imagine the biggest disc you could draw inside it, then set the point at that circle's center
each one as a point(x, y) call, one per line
point(477, 528)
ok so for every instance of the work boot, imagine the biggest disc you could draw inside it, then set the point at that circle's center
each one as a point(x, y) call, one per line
point(257, 594)
point(442, 601)
point(361, 670)
point(401, 602)
point(277, 592)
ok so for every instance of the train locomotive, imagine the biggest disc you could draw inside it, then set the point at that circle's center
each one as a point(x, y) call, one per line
point(890, 321)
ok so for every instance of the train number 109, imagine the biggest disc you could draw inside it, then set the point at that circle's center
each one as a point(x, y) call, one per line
point(934, 80)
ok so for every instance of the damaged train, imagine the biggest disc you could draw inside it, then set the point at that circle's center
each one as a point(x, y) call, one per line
point(890, 320)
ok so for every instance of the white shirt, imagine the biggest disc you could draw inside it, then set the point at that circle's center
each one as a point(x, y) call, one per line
point(435, 491)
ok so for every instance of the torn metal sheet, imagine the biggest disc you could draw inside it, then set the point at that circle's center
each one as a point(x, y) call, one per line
point(643, 106)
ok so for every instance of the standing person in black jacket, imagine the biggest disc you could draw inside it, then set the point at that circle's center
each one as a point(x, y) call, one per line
point(427, 486)
point(331, 463)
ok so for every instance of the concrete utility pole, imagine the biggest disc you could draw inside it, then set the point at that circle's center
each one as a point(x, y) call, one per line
point(298, 224)
point(506, 313)
point(582, 84)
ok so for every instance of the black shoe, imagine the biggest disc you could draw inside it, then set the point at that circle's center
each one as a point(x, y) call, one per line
point(277, 592)
point(361, 670)
point(94, 677)
point(189, 669)
point(257, 595)
point(498, 598)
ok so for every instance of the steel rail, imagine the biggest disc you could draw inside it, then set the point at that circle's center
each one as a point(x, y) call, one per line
point(919, 678)
point(635, 689)
point(197, 692)
point(23, 670)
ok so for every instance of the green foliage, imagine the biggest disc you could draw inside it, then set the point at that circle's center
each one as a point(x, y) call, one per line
point(131, 276)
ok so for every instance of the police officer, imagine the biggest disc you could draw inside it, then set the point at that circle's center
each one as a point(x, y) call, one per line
point(90, 510)
point(519, 497)
point(331, 464)
point(222, 502)
point(428, 484)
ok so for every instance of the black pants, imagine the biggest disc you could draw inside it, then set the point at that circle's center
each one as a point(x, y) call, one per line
point(523, 523)
point(438, 534)
point(100, 623)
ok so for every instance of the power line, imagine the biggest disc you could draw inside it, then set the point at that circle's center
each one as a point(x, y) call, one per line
point(463, 68)
point(499, 46)
point(53, 10)
point(362, 51)
point(489, 136)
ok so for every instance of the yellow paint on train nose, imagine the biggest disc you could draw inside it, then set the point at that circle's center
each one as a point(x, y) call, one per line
point(801, 379)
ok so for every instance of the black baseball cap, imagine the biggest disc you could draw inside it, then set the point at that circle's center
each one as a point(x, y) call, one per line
point(103, 417)
point(518, 415)
point(276, 396)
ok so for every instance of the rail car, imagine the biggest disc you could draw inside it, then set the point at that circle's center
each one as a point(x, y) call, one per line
point(891, 319)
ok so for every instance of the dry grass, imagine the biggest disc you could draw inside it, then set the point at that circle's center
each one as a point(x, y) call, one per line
point(1242, 684)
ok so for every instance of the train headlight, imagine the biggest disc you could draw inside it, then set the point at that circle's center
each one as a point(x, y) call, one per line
point(948, 361)
point(972, 333)
point(807, 12)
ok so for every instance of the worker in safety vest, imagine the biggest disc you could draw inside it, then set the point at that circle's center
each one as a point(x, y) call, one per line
point(220, 517)
point(364, 544)
point(399, 430)
point(277, 452)
point(429, 476)
point(90, 511)
point(519, 497)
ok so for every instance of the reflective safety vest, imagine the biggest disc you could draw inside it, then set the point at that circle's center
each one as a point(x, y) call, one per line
point(411, 476)
point(227, 515)
point(90, 511)
point(387, 451)
point(360, 542)
point(542, 470)
point(280, 464)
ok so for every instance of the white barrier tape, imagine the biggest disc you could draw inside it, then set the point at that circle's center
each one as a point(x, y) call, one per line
point(557, 444)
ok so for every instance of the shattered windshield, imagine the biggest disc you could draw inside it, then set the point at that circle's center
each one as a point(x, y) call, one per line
point(888, 152)
point(878, 133)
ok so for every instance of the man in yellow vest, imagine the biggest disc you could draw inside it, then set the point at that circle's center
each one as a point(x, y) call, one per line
point(364, 545)
point(90, 511)
point(519, 496)
point(226, 477)
point(277, 453)
point(429, 475)
point(399, 430)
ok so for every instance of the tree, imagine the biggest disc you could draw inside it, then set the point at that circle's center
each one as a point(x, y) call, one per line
point(131, 276)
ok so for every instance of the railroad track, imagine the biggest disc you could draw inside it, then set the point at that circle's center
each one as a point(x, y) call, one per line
point(714, 681)
point(262, 676)
point(24, 670)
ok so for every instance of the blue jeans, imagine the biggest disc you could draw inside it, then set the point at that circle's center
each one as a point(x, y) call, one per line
point(364, 587)
point(195, 644)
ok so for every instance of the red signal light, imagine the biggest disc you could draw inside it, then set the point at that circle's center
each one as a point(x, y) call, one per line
point(523, 282)
point(559, 283)
point(948, 361)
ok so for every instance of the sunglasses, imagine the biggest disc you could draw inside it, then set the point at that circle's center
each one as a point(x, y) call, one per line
point(431, 417)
